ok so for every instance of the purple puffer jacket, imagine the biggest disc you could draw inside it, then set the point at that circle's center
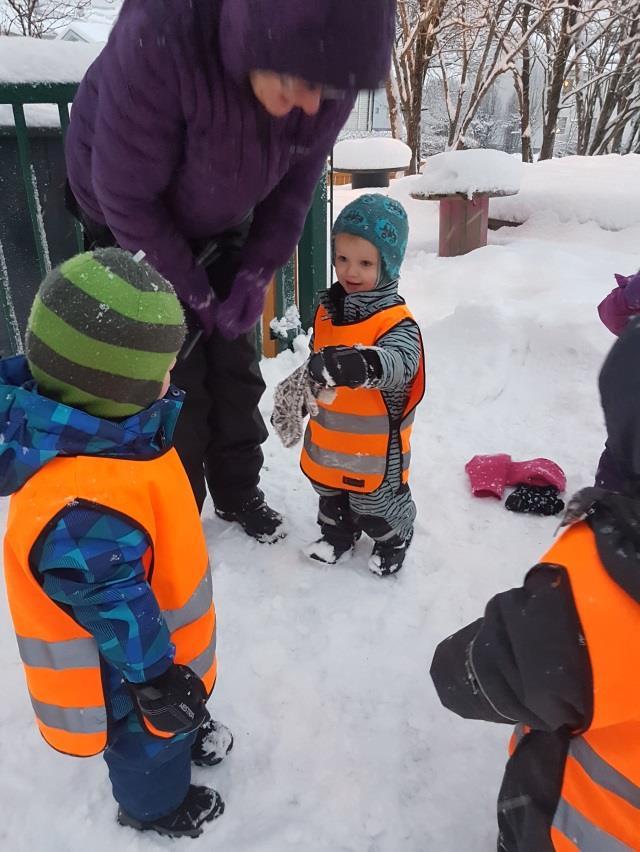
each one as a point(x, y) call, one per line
point(168, 145)
point(621, 303)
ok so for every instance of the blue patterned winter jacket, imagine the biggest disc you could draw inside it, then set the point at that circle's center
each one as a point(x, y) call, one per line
point(91, 561)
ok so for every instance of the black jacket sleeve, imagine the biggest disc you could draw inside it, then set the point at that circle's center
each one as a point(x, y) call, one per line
point(525, 661)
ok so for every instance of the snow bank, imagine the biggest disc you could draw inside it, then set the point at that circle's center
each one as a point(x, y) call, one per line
point(34, 60)
point(372, 153)
point(578, 189)
point(469, 172)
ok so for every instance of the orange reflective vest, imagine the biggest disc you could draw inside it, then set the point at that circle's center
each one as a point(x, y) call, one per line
point(61, 659)
point(599, 806)
point(346, 446)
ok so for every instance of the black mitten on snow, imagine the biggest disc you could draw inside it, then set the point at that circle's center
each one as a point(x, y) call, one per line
point(345, 366)
point(535, 499)
point(172, 703)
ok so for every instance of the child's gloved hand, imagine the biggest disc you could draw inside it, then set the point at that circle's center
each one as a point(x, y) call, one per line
point(172, 703)
point(345, 366)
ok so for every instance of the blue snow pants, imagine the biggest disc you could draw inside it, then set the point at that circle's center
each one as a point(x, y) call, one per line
point(150, 777)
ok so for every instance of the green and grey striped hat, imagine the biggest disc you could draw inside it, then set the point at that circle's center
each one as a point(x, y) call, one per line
point(102, 333)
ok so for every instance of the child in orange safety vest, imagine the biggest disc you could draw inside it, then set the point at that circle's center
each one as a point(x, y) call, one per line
point(105, 561)
point(556, 658)
point(367, 351)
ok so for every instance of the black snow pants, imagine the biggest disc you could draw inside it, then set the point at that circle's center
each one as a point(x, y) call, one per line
point(220, 428)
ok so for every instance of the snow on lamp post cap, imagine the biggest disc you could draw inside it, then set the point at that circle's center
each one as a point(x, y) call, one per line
point(377, 152)
point(473, 172)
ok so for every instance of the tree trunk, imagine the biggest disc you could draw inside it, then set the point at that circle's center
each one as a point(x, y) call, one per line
point(525, 99)
point(558, 71)
point(412, 60)
point(615, 92)
point(394, 113)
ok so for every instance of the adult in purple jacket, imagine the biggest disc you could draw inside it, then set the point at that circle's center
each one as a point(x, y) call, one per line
point(198, 135)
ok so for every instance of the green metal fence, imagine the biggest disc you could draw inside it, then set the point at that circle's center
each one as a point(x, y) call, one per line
point(297, 284)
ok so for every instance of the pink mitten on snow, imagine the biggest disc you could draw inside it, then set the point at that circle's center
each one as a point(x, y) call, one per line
point(536, 472)
point(488, 474)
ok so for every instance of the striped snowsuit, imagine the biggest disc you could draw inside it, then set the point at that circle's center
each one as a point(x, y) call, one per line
point(389, 511)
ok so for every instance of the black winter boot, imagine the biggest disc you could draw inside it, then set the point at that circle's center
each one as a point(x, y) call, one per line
point(201, 804)
point(257, 519)
point(388, 556)
point(339, 531)
point(330, 550)
point(213, 743)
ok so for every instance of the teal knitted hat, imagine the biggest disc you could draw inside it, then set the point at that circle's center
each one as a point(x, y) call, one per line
point(102, 333)
point(382, 221)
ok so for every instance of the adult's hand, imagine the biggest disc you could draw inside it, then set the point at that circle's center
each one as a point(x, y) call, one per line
point(200, 315)
point(243, 308)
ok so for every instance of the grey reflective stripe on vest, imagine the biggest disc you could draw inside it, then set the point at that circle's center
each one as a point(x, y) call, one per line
point(203, 662)
point(603, 773)
point(344, 461)
point(83, 653)
point(519, 732)
point(75, 720)
point(198, 605)
point(406, 460)
point(408, 420)
point(71, 654)
point(584, 834)
point(356, 424)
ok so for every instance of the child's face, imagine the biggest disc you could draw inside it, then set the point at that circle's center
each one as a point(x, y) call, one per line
point(357, 263)
point(167, 381)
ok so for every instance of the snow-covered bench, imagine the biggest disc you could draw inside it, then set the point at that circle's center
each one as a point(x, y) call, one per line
point(463, 182)
point(370, 161)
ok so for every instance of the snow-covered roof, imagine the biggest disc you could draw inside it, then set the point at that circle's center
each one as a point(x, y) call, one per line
point(577, 189)
point(373, 152)
point(88, 31)
point(95, 25)
point(469, 172)
point(35, 60)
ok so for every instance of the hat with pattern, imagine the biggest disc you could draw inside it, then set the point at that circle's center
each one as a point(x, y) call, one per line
point(382, 221)
point(102, 333)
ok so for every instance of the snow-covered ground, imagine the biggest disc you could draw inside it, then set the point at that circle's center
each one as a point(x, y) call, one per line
point(579, 189)
point(341, 743)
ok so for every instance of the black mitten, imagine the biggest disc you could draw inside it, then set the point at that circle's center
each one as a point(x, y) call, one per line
point(345, 366)
point(172, 703)
point(535, 499)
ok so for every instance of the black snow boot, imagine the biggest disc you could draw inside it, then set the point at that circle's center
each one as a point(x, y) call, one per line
point(388, 556)
point(330, 549)
point(257, 519)
point(213, 743)
point(201, 804)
